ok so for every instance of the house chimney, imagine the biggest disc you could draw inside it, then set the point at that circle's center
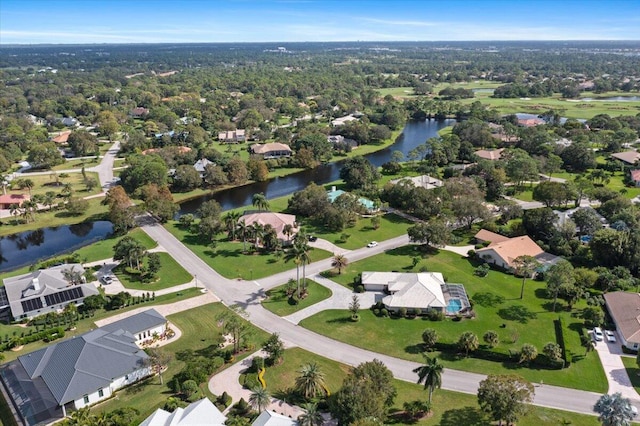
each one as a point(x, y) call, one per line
point(36, 284)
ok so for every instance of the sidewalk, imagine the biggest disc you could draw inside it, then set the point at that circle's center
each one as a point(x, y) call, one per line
point(610, 356)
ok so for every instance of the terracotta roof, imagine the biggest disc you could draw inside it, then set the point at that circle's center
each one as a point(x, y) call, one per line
point(180, 149)
point(625, 310)
point(492, 237)
point(627, 156)
point(62, 137)
point(277, 220)
point(512, 248)
point(635, 175)
point(269, 147)
point(530, 122)
point(492, 154)
point(14, 198)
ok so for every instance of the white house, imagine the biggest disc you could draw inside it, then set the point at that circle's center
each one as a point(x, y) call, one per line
point(199, 413)
point(79, 371)
point(143, 326)
point(271, 418)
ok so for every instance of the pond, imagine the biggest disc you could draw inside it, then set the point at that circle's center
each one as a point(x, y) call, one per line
point(28, 247)
point(414, 134)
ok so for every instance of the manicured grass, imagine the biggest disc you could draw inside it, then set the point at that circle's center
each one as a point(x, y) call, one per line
point(229, 260)
point(497, 303)
point(633, 371)
point(363, 232)
point(449, 408)
point(77, 163)
point(170, 275)
point(617, 184)
point(87, 324)
point(104, 249)
point(401, 92)
point(200, 332)
point(279, 303)
point(525, 195)
point(45, 183)
point(53, 218)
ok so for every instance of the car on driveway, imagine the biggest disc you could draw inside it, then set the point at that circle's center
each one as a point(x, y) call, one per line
point(597, 334)
point(611, 337)
point(312, 238)
point(107, 279)
point(372, 244)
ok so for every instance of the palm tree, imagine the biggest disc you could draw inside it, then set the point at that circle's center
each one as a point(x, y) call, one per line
point(430, 374)
point(525, 266)
point(339, 262)
point(258, 232)
point(311, 415)
point(305, 259)
point(614, 410)
point(288, 231)
point(243, 228)
point(260, 201)
point(259, 398)
point(468, 342)
point(49, 199)
point(28, 183)
point(310, 383)
point(14, 209)
point(231, 223)
point(29, 207)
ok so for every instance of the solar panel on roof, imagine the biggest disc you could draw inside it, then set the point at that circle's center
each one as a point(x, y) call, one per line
point(31, 304)
point(64, 296)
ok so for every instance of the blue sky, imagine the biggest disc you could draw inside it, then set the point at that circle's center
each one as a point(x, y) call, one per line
point(146, 21)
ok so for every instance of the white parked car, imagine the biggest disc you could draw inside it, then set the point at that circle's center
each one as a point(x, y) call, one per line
point(372, 244)
point(634, 411)
point(107, 279)
point(597, 334)
point(611, 337)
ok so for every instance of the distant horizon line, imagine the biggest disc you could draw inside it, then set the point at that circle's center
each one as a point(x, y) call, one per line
point(315, 42)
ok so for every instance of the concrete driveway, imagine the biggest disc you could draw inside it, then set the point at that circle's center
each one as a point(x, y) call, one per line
point(611, 358)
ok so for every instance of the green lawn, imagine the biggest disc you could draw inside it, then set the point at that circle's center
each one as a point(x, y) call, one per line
point(170, 275)
point(103, 249)
point(449, 408)
point(229, 260)
point(45, 183)
point(77, 163)
point(87, 324)
point(279, 303)
point(363, 232)
point(200, 334)
point(633, 371)
point(497, 302)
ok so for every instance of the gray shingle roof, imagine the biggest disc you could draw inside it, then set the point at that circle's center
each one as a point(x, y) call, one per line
point(137, 323)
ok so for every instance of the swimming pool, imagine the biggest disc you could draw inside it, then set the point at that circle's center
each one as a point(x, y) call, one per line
point(454, 306)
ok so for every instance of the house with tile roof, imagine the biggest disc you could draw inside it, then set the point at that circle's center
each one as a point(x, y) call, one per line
point(199, 413)
point(278, 221)
point(490, 154)
point(43, 291)
point(485, 236)
point(629, 157)
point(420, 292)
point(422, 181)
point(232, 136)
point(271, 150)
point(74, 373)
point(503, 253)
point(6, 200)
point(624, 309)
point(62, 137)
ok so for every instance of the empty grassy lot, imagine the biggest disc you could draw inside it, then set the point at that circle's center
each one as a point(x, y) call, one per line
point(498, 308)
point(280, 304)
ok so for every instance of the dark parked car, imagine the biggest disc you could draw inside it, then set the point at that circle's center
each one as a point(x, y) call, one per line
point(312, 238)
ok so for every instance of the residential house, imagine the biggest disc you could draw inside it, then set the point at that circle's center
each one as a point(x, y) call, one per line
point(624, 309)
point(271, 150)
point(40, 292)
point(232, 136)
point(635, 176)
point(144, 326)
point(74, 373)
point(497, 132)
point(369, 205)
point(422, 181)
point(419, 292)
point(69, 121)
point(334, 139)
point(6, 200)
point(341, 140)
point(139, 112)
point(62, 137)
point(178, 149)
point(271, 418)
point(490, 154)
point(484, 236)
point(563, 216)
point(199, 413)
point(278, 221)
point(503, 253)
point(201, 165)
point(530, 122)
point(629, 157)
point(342, 120)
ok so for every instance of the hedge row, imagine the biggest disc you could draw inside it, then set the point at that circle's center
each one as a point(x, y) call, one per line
point(45, 335)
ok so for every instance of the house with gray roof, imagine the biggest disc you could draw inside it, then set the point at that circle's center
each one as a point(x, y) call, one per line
point(201, 165)
point(77, 372)
point(44, 291)
point(199, 413)
point(142, 326)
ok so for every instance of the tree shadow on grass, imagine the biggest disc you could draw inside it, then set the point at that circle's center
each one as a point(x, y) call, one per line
point(519, 313)
point(344, 320)
point(414, 349)
point(467, 416)
point(224, 253)
point(488, 299)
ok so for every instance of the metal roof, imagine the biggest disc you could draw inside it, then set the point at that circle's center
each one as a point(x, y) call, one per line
point(137, 323)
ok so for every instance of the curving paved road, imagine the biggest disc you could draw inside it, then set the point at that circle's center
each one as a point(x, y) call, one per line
point(248, 295)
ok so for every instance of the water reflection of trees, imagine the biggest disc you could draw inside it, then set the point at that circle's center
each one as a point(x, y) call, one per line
point(35, 238)
point(81, 229)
